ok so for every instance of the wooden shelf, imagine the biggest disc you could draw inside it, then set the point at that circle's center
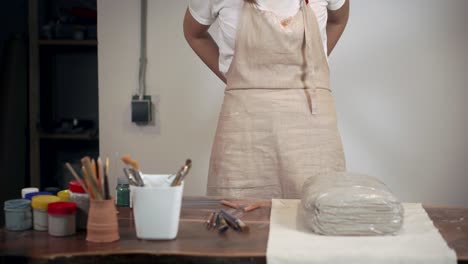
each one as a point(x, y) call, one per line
point(60, 136)
point(54, 66)
point(68, 42)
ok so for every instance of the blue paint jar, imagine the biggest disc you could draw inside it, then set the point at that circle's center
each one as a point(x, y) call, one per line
point(29, 196)
point(18, 215)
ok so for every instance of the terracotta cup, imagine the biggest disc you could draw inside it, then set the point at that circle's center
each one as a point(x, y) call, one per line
point(102, 222)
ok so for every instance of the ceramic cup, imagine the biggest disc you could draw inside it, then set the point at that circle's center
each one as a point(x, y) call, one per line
point(102, 222)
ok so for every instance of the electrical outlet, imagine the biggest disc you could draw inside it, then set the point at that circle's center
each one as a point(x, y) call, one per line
point(141, 110)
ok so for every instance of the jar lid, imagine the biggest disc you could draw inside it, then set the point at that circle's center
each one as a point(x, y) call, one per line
point(25, 191)
point(64, 195)
point(41, 201)
point(75, 186)
point(17, 204)
point(29, 196)
point(52, 190)
point(122, 180)
point(61, 208)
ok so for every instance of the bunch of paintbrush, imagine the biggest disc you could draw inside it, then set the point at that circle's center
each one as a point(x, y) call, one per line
point(223, 220)
point(182, 173)
point(95, 177)
point(134, 175)
point(132, 171)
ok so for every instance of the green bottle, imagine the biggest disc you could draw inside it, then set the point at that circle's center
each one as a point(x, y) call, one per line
point(122, 192)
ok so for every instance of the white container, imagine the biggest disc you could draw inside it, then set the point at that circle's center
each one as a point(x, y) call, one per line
point(39, 203)
point(153, 180)
point(62, 225)
point(18, 216)
point(62, 218)
point(156, 211)
point(25, 191)
point(79, 196)
point(40, 219)
point(82, 202)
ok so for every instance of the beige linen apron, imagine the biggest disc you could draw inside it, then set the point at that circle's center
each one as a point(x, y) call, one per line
point(277, 125)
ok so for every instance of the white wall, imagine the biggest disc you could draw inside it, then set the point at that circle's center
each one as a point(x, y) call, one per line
point(399, 76)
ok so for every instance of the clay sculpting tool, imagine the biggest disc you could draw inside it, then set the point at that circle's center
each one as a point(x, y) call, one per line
point(239, 224)
point(230, 204)
point(223, 226)
point(210, 219)
point(251, 207)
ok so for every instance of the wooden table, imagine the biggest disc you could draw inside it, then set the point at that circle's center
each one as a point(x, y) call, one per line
point(194, 243)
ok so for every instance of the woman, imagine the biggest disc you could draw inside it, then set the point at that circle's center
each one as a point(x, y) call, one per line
point(277, 125)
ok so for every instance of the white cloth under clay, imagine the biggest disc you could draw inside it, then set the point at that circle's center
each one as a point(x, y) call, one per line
point(418, 242)
point(228, 12)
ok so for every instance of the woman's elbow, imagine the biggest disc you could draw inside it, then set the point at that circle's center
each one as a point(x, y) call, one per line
point(192, 29)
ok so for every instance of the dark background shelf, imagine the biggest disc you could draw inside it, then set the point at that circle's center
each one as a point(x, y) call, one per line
point(84, 136)
point(68, 42)
point(63, 87)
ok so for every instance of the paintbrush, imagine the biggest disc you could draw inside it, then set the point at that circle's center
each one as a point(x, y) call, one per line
point(88, 186)
point(137, 176)
point(91, 178)
point(97, 175)
point(182, 173)
point(188, 165)
point(134, 169)
point(94, 169)
point(100, 175)
point(106, 180)
point(130, 162)
point(75, 175)
point(130, 177)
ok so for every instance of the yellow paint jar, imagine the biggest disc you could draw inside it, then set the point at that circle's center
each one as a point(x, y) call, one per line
point(39, 204)
point(64, 195)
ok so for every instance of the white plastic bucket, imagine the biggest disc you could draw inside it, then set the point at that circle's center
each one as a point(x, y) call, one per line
point(156, 211)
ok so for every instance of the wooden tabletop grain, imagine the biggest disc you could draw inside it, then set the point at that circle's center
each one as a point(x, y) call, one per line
point(194, 243)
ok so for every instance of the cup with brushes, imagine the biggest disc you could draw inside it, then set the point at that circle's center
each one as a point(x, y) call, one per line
point(156, 200)
point(102, 224)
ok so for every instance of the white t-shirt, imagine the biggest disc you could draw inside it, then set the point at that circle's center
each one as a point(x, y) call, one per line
point(228, 12)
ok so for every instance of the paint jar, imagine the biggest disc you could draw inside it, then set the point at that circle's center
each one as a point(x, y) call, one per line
point(39, 204)
point(102, 222)
point(18, 216)
point(79, 196)
point(52, 190)
point(25, 191)
point(64, 195)
point(62, 218)
point(29, 196)
point(122, 192)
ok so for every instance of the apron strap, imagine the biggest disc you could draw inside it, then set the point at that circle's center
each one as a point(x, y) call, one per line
point(311, 94)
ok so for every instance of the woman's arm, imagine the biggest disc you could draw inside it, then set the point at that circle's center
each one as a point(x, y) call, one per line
point(202, 43)
point(336, 24)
